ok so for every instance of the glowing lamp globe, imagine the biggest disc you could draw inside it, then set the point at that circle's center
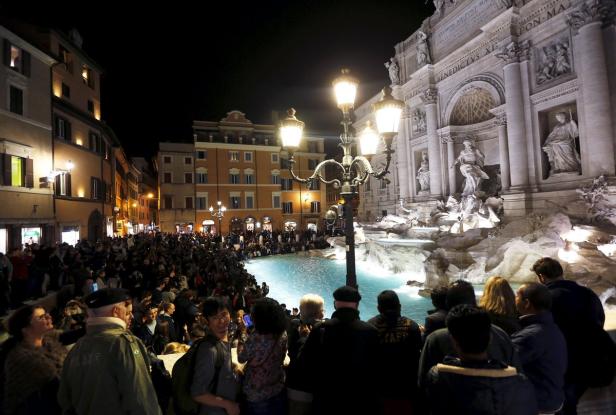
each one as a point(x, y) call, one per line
point(345, 89)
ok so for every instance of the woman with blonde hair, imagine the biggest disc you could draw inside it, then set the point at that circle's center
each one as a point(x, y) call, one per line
point(499, 301)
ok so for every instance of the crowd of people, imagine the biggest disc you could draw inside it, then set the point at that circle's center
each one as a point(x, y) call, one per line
point(137, 299)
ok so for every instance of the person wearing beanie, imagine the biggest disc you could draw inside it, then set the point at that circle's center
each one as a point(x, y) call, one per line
point(107, 371)
point(399, 348)
point(339, 359)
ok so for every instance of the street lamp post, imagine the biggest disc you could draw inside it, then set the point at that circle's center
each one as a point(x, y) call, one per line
point(357, 169)
point(218, 214)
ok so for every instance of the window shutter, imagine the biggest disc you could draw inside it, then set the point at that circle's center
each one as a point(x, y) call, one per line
point(7, 53)
point(25, 63)
point(57, 187)
point(68, 184)
point(67, 131)
point(29, 176)
point(6, 169)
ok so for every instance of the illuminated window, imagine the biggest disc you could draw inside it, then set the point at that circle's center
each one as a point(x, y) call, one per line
point(15, 61)
point(234, 155)
point(17, 171)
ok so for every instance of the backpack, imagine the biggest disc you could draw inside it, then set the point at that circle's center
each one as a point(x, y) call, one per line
point(183, 373)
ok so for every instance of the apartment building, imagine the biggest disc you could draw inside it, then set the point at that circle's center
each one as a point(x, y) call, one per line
point(240, 164)
point(26, 211)
point(176, 187)
point(82, 144)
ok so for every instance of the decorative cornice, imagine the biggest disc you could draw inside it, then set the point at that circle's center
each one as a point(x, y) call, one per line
point(429, 96)
point(591, 11)
point(565, 88)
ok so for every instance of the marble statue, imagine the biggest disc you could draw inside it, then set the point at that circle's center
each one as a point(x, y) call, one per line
point(394, 71)
point(419, 121)
point(438, 5)
point(555, 61)
point(471, 163)
point(423, 173)
point(423, 51)
point(560, 146)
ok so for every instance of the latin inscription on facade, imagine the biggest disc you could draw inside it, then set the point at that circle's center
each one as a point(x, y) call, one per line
point(543, 14)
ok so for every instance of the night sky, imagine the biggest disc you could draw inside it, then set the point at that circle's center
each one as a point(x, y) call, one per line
point(168, 65)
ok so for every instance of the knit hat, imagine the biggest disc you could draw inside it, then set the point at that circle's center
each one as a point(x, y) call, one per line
point(348, 294)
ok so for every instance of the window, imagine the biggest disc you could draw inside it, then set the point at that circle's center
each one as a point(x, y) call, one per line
point(248, 156)
point(274, 158)
point(234, 202)
point(287, 207)
point(96, 189)
point(91, 106)
point(312, 164)
point(188, 178)
point(234, 156)
point(313, 148)
point(96, 143)
point(66, 58)
point(167, 159)
point(201, 154)
point(62, 128)
point(275, 178)
point(16, 100)
point(314, 184)
point(187, 160)
point(167, 177)
point(66, 90)
point(315, 207)
point(17, 171)
point(250, 198)
point(87, 75)
point(201, 177)
point(234, 178)
point(286, 184)
point(16, 58)
point(276, 200)
point(168, 202)
point(63, 184)
point(188, 202)
point(201, 203)
point(249, 178)
point(284, 163)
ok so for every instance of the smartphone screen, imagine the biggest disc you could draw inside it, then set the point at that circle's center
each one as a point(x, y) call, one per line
point(95, 287)
point(247, 320)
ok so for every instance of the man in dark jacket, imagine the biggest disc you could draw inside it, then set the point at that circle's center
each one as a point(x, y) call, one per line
point(338, 361)
point(436, 318)
point(400, 346)
point(541, 346)
point(474, 384)
point(575, 309)
point(439, 344)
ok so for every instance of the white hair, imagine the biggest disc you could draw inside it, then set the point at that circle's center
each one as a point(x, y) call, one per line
point(311, 307)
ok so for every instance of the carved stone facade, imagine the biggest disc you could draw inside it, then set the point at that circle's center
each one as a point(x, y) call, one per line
point(527, 80)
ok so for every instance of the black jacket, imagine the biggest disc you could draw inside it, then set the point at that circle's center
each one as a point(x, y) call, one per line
point(435, 321)
point(338, 365)
point(543, 353)
point(479, 388)
point(575, 308)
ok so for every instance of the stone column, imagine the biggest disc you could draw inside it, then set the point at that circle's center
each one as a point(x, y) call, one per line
point(503, 151)
point(429, 98)
point(401, 156)
point(451, 169)
point(516, 130)
point(587, 20)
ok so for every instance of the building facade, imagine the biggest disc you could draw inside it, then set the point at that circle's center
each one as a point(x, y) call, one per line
point(525, 82)
point(27, 210)
point(176, 188)
point(240, 164)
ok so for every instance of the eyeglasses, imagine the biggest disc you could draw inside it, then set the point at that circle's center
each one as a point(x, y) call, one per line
point(44, 316)
point(221, 317)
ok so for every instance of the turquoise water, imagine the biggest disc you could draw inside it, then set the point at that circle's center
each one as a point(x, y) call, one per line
point(291, 276)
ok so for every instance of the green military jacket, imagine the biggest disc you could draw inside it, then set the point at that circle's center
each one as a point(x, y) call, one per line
point(107, 372)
